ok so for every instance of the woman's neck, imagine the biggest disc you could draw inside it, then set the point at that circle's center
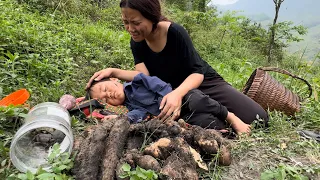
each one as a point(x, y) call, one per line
point(158, 38)
point(154, 35)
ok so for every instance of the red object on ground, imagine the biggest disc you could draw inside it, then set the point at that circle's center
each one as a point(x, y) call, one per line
point(16, 98)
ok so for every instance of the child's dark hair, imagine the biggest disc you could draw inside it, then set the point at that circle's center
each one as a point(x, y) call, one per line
point(88, 91)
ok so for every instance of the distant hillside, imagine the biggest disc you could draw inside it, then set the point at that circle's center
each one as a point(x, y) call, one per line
point(301, 12)
point(304, 13)
point(311, 41)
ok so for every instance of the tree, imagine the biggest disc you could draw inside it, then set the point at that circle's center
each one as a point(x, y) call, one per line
point(277, 4)
point(202, 5)
point(229, 22)
point(281, 34)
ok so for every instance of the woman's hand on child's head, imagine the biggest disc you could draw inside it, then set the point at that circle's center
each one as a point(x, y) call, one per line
point(170, 106)
point(109, 117)
point(105, 73)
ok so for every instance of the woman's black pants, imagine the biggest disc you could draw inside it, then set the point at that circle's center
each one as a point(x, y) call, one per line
point(205, 109)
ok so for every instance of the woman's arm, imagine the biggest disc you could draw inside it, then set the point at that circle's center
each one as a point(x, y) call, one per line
point(141, 67)
point(191, 82)
point(171, 104)
point(125, 75)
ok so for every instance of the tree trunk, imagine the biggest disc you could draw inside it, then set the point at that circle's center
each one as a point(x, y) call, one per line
point(277, 4)
point(224, 33)
point(202, 6)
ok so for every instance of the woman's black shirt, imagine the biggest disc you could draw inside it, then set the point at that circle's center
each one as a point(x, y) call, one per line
point(176, 61)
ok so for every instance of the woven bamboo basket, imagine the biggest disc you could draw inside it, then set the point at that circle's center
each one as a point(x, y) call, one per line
point(271, 94)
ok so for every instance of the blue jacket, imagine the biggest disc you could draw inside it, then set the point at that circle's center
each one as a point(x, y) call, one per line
point(144, 95)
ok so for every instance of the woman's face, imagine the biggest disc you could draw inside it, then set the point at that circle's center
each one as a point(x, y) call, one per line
point(137, 25)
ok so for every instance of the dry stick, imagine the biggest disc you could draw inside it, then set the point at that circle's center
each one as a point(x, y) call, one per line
point(114, 148)
point(257, 139)
point(216, 162)
point(300, 60)
point(317, 56)
point(299, 70)
point(56, 7)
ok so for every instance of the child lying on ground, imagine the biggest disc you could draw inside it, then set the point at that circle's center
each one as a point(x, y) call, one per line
point(144, 94)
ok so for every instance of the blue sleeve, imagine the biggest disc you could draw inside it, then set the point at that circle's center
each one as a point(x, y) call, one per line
point(137, 115)
point(153, 83)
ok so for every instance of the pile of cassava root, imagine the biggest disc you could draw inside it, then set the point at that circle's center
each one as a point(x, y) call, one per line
point(171, 149)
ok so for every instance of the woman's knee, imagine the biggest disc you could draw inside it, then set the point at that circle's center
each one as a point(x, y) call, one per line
point(207, 121)
point(256, 114)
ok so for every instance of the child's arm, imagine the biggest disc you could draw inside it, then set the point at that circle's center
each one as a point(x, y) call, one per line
point(238, 125)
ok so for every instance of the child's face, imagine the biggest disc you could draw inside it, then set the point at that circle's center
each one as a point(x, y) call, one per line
point(110, 92)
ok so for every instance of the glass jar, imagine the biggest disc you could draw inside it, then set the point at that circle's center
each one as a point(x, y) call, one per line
point(45, 124)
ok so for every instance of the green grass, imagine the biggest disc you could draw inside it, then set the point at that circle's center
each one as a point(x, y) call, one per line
point(53, 54)
point(272, 150)
point(54, 51)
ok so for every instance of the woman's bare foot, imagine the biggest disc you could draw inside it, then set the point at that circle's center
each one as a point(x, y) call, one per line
point(242, 129)
point(238, 125)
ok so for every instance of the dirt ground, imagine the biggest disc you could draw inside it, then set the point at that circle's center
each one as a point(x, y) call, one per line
point(249, 162)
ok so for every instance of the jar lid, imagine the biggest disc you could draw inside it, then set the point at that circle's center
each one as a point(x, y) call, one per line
point(16, 98)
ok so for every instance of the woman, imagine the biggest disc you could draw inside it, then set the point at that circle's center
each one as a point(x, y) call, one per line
point(164, 49)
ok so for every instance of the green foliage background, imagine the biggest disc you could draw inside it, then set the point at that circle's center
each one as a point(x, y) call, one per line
point(52, 47)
